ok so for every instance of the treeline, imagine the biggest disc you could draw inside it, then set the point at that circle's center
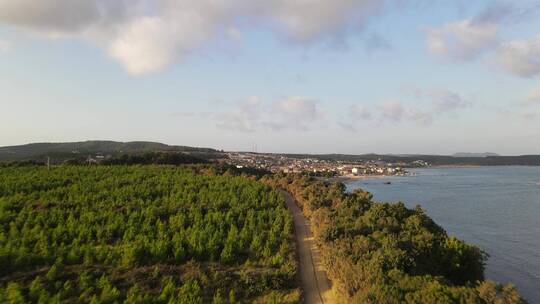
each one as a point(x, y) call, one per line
point(24, 163)
point(142, 234)
point(69, 150)
point(387, 253)
point(154, 158)
point(148, 158)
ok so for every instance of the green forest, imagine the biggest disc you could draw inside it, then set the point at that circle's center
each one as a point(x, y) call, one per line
point(216, 234)
point(142, 234)
point(386, 253)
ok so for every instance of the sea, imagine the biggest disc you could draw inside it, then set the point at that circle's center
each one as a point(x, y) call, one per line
point(495, 208)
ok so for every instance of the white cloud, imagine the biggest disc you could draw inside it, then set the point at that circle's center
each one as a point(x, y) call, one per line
point(396, 111)
point(61, 15)
point(520, 57)
point(5, 46)
point(148, 35)
point(376, 42)
point(469, 38)
point(420, 117)
point(70, 18)
point(234, 34)
point(149, 44)
point(243, 117)
point(305, 21)
point(445, 101)
point(462, 40)
point(392, 110)
point(358, 112)
point(530, 116)
point(428, 106)
point(297, 106)
point(533, 98)
point(355, 115)
point(292, 113)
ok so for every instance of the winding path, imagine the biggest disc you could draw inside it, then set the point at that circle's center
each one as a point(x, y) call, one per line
point(315, 283)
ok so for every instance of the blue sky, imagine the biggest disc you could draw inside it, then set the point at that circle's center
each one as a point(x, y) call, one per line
point(314, 76)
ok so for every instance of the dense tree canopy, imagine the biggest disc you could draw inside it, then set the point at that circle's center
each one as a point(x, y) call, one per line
point(387, 253)
point(141, 234)
point(154, 158)
point(205, 234)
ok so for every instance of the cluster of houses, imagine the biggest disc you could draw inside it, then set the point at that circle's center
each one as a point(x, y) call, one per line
point(282, 163)
point(389, 169)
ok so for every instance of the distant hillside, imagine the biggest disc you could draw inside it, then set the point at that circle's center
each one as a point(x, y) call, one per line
point(468, 154)
point(77, 150)
point(435, 160)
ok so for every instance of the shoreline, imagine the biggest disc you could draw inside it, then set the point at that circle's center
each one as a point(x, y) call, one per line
point(351, 178)
point(454, 166)
point(470, 166)
point(346, 179)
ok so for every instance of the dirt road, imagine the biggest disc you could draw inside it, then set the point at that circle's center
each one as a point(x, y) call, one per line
point(315, 283)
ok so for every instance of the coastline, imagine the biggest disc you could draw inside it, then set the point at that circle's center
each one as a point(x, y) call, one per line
point(471, 166)
point(460, 212)
point(455, 166)
point(351, 178)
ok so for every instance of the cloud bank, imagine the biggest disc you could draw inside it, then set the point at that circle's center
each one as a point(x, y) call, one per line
point(533, 97)
point(5, 46)
point(468, 39)
point(431, 104)
point(300, 113)
point(520, 57)
point(294, 113)
point(145, 36)
point(462, 40)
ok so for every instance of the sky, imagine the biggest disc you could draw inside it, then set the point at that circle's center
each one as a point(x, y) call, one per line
point(297, 76)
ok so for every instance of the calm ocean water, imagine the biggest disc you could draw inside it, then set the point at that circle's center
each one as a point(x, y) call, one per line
point(496, 208)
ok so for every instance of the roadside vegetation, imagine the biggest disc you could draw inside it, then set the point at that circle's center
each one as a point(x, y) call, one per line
point(387, 253)
point(142, 234)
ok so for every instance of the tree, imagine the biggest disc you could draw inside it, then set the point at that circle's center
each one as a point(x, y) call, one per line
point(169, 289)
point(120, 229)
point(492, 292)
point(218, 299)
point(136, 295)
point(232, 296)
point(54, 272)
point(109, 293)
point(190, 293)
point(14, 294)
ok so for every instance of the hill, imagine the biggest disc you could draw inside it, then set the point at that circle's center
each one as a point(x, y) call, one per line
point(435, 160)
point(469, 154)
point(77, 150)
